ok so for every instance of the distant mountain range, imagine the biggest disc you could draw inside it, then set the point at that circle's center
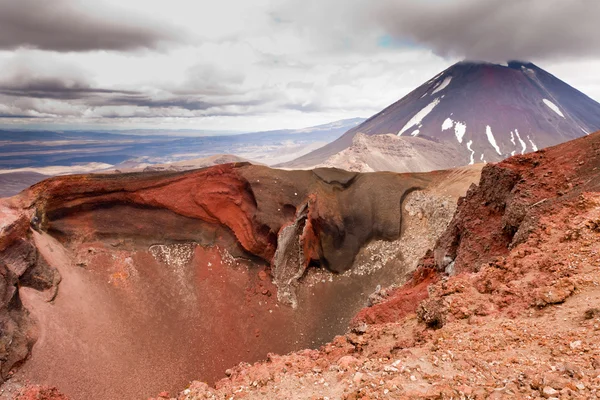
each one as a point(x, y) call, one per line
point(479, 111)
point(35, 149)
point(27, 157)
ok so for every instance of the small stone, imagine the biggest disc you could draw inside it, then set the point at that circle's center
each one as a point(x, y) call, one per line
point(347, 361)
point(576, 344)
point(592, 313)
point(262, 275)
point(467, 390)
point(549, 392)
point(357, 378)
point(360, 328)
point(413, 378)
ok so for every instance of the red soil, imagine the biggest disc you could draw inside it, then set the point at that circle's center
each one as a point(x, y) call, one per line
point(401, 302)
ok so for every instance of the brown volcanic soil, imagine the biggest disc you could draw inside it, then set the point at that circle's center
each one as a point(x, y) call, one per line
point(119, 286)
point(504, 307)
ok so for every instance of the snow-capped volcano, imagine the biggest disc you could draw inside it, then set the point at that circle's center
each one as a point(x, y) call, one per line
point(486, 111)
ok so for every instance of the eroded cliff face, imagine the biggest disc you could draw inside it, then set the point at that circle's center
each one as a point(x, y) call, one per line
point(134, 283)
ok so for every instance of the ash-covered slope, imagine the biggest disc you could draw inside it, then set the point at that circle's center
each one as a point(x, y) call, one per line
point(491, 111)
point(394, 153)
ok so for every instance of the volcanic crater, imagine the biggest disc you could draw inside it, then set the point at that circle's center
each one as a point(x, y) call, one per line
point(120, 286)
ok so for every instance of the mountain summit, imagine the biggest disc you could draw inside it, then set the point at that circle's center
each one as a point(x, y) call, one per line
point(485, 111)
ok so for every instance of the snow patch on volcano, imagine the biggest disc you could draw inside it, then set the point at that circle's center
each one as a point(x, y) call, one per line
point(443, 85)
point(435, 77)
point(523, 145)
point(448, 123)
point(460, 128)
point(553, 107)
point(418, 117)
point(469, 143)
point(533, 146)
point(492, 139)
point(527, 70)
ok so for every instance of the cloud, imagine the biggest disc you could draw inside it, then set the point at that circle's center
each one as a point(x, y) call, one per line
point(37, 84)
point(142, 100)
point(71, 26)
point(16, 116)
point(54, 88)
point(488, 30)
point(34, 76)
point(269, 64)
point(494, 30)
point(34, 86)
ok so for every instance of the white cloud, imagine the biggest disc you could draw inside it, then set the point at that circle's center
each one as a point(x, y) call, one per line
point(256, 65)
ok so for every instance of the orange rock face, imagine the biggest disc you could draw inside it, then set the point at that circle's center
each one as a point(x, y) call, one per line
point(401, 302)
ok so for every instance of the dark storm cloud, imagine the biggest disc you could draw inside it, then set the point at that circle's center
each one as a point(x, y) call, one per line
point(54, 88)
point(31, 93)
point(494, 30)
point(71, 86)
point(186, 103)
point(64, 25)
point(16, 116)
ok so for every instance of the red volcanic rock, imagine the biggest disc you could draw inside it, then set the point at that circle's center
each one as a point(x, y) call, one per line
point(512, 195)
point(494, 218)
point(401, 302)
point(217, 195)
point(40, 393)
point(251, 202)
point(20, 266)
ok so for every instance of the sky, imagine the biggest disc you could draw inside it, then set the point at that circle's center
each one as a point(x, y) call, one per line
point(240, 65)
